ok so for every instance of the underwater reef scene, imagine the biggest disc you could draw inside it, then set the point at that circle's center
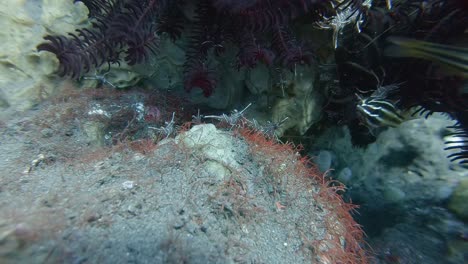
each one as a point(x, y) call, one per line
point(232, 131)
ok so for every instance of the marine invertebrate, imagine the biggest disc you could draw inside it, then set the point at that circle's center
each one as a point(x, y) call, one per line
point(263, 31)
point(289, 51)
point(345, 15)
point(409, 44)
point(458, 141)
point(129, 30)
point(167, 130)
point(236, 118)
point(100, 78)
point(118, 27)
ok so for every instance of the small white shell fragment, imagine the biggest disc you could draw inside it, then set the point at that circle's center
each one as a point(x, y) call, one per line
point(127, 185)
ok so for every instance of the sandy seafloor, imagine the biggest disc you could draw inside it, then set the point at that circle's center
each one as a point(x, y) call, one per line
point(65, 198)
